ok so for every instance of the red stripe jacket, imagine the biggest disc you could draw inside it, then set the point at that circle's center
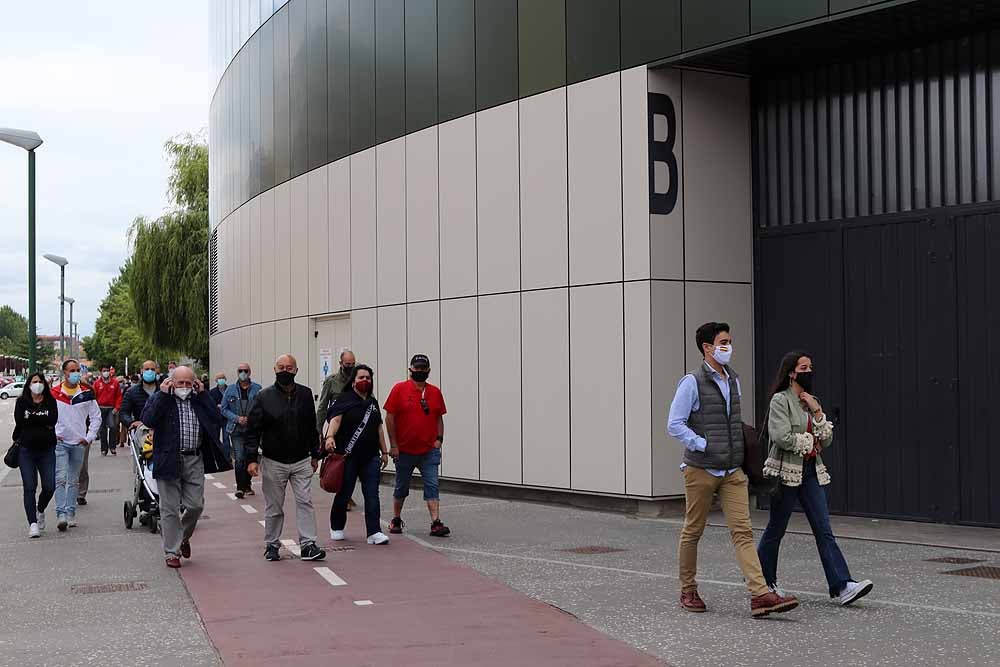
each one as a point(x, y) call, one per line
point(108, 394)
point(79, 416)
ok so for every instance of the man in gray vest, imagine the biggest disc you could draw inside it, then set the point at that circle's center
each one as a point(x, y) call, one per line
point(705, 416)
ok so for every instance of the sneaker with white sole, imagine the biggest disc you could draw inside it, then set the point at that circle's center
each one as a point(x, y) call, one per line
point(855, 590)
point(33, 531)
point(378, 538)
point(337, 535)
point(72, 521)
point(61, 523)
point(41, 521)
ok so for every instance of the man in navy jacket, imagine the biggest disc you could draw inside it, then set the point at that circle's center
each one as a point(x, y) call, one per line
point(186, 445)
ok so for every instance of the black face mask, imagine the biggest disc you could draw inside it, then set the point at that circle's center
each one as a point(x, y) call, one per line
point(419, 376)
point(805, 381)
point(347, 369)
point(284, 378)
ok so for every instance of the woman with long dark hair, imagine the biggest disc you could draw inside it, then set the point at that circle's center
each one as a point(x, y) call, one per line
point(35, 416)
point(799, 431)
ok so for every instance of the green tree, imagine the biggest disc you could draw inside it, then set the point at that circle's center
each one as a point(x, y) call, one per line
point(169, 284)
point(14, 337)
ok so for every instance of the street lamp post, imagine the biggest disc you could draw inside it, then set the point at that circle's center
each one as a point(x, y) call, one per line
point(61, 262)
point(29, 141)
point(70, 301)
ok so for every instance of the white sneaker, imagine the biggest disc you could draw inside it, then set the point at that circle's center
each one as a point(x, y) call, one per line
point(33, 531)
point(337, 535)
point(778, 590)
point(855, 590)
point(378, 538)
point(72, 521)
point(41, 521)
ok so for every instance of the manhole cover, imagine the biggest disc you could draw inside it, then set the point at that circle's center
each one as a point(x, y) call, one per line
point(981, 571)
point(340, 548)
point(591, 550)
point(955, 560)
point(117, 587)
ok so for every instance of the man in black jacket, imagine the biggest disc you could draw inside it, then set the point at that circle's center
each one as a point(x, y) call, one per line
point(282, 423)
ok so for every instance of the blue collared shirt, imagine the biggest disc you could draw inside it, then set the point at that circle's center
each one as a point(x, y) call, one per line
point(685, 402)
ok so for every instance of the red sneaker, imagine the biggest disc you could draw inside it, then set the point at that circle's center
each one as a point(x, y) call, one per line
point(438, 529)
point(173, 562)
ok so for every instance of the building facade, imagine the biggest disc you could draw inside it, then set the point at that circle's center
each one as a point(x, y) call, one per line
point(548, 197)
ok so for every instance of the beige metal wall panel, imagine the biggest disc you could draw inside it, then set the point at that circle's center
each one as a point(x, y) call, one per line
point(364, 337)
point(635, 173)
point(282, 337)
point(363, 253)
point(545, 401)
point(458, 372)
point(245, 276)
point(282, 252)
point(666, 232)
point(299, 344)
point(497, 199)
point(265, 368)
point(339, 224)
point(457, 169)
point(718, 225)
point(671, 340)
point(390, 213)
point(597, 434)
point(267, 266)
point(253, 249)
point(423, 334)
point(595, 180)
point(319, 240)
point(392, 360)
point(544, 209)
point(422, 242)
point(638, 398)
point(500, 394)
point(299, 239)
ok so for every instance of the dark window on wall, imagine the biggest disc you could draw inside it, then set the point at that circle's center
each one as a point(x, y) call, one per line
point(592, 38)
point(243, 76)
point(708, 23)
point(282, 134)
point(496, 52)
point(390, 62)
point(770, 14)
point(297, 88)
point(456, 58)
point(316, 81)
point(541, 45)
point(651, 30)
point(421, 64)
point(338, 70)
point(253, 52)
point(362, 75)
point(266, 37)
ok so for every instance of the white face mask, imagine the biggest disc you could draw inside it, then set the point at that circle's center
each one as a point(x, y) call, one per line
point(105, 375)
point(37, 388)
point(723, 354)
point(182, 392)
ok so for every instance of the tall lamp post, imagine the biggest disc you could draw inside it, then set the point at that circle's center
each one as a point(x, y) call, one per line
point(29, 141)
point(61, 262)
point(70, 301)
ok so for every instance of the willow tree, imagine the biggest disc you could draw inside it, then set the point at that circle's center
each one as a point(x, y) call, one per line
point(169, 272)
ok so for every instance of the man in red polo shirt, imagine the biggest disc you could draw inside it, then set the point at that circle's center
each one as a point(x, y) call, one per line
point(415, 424)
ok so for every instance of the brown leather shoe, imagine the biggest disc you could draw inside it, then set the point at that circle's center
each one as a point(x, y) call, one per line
point(691, 601)
point(186, 549)
point(173, 562)
point(762, 605)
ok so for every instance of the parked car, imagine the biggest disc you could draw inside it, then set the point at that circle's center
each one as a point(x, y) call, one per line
point(4, 381)
point(13, 390)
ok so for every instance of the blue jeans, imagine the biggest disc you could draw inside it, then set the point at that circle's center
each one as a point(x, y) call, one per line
point(812, 498)
point(368, 472)
point(69, 460)
point(428, 464)
point(35, 463)
point(239, 460)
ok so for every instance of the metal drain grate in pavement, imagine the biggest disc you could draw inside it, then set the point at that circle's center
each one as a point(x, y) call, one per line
point(116, 587)
point(955, 560)
point(340, 548)
point(104, 491)
point(981, 571)
point(593, 549)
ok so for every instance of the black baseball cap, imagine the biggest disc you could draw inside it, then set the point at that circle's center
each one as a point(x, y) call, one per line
point(420, 360)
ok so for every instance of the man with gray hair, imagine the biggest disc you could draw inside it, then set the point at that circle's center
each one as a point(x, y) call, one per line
point(282, 425)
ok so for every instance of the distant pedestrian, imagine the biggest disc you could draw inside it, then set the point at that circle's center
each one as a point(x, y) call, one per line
point(35, 416)
point(354, 428)
point(705, 417)
point(108, 392)
point(799, 432)
point(185, 446)
point(77, 427)
point(282, 425)
point(236, 405)
point(415, 413)
point(140, 392)
point(218, 390)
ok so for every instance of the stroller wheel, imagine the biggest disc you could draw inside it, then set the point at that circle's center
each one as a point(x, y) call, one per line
point(129, 514)
point(153, 524)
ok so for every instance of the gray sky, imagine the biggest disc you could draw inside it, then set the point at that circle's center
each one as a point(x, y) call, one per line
point(105, 83)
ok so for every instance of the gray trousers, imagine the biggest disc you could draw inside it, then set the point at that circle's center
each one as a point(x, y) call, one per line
point(81, 492)
point(276, 477)
point(188, 490)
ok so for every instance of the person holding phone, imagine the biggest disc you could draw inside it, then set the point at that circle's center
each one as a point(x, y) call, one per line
point(35, 416)
point(187, 425)
point(799, 432)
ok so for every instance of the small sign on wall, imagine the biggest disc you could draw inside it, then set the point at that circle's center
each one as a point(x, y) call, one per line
point(325, 362)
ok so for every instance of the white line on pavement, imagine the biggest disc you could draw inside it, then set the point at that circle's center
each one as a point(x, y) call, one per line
point(261, 522)
point(232, 496)
point(249, 509)
point(330, 576)
point(4, 471)
point(363, 603)
point(218, 485)
point(292, 546)
point(209, 476)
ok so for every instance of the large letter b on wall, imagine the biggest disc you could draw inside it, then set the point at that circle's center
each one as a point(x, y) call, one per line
point(662, 151)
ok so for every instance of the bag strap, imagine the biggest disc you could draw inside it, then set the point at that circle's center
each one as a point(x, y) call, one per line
point(361, 427)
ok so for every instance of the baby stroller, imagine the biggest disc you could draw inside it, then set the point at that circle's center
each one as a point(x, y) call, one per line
point(145, 501)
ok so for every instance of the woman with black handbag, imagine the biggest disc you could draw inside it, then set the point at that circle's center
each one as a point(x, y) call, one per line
point(35, 416)
point(798, 432)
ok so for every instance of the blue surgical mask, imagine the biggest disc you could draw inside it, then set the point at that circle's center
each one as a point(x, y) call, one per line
point(148, 376)
point(221, 382)
point(74, 377)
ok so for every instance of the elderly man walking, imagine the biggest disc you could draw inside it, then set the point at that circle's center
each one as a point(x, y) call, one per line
point(283, 426)
point(236, 405)
point(186, 445)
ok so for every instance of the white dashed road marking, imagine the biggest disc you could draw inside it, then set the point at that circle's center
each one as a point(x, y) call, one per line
point(363, 603)
point(218, 485)
point(232, 496)
point(249, 509)
point(261, 522)
point(292, 546)
point(330, 576)
point(209, 476)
